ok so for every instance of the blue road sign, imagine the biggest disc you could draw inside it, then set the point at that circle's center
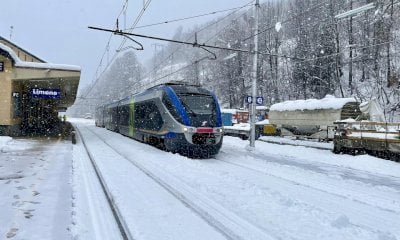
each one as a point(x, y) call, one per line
point(259, 100)
point(249, 99)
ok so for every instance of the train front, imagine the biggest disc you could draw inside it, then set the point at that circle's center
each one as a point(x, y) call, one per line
point(199, 113)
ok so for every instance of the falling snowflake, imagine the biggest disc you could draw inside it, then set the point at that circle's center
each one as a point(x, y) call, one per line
point(278, 26)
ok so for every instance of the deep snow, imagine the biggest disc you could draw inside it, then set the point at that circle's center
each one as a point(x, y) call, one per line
point(273, 192)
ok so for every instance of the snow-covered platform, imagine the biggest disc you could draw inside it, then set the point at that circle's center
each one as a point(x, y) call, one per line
point(35, 188)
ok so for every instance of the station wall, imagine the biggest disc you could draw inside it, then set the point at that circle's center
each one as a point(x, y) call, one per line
point(5, 91)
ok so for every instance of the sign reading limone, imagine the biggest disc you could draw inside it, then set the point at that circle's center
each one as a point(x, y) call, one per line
point(45, 93)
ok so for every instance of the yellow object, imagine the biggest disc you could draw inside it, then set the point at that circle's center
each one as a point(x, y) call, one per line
point(269, 129)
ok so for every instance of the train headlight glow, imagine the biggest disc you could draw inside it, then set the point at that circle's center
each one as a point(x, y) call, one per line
point(189, 130)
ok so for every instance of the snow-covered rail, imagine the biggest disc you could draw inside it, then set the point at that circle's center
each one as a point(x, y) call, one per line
point(224, 221)
point(345, 192)
point(122, 226)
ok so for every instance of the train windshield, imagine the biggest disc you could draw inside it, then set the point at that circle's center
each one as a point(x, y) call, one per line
point(198, 103)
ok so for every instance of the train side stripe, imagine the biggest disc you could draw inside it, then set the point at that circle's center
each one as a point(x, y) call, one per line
point(178, 105)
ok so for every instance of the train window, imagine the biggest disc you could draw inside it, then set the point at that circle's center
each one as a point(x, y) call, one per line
point(168, 104)
point(147, 116)
point(198, 104)
point(124, 115)
point(114, 115)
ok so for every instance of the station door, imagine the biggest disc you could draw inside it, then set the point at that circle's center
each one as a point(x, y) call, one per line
point(38, 115)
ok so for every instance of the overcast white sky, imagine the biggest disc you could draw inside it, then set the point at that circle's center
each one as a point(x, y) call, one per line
point(57, 32)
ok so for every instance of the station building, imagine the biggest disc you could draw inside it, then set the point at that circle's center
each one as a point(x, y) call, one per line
point(32, 91)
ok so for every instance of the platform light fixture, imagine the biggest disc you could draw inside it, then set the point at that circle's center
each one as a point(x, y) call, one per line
point(355, 11)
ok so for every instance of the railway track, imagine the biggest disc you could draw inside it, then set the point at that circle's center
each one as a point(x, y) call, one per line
point(216, 216)
point(230, 223)
point(122, 226)
point(323, 190)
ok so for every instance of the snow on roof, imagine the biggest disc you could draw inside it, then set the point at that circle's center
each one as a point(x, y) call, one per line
point(348, 120)
point(375, 135)
point(227, 110)
point(262, 108)
point(263, 122)
point(239, 126)
point(329, 102)
point(20, 63)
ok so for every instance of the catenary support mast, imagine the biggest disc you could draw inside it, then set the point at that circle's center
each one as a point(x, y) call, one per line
point(254, 84)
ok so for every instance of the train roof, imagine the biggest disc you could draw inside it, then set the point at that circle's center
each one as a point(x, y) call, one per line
point(180, 89)
point(329, 102)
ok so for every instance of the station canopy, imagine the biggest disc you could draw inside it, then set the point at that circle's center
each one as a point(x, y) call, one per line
point(44, 78)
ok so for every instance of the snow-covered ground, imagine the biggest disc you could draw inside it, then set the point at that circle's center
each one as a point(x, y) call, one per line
point(35, 189)
point(273, 192)
point(287, 140)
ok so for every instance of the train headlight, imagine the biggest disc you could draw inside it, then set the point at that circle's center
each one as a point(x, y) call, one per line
point(220, 130)
point(189, 130)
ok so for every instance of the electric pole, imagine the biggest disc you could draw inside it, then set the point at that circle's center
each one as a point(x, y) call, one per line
point(254, 84)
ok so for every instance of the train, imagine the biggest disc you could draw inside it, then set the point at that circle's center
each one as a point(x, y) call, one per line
point(176, 117)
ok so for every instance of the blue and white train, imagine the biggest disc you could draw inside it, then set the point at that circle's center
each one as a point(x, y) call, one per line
point(180, 118)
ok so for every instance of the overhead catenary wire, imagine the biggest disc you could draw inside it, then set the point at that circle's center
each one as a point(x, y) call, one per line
point(194, 44)
point(146, 4)
point(180, 46)
point(183, 19)
point(156, 80)
point(107, 47)
point(209, 39)
point(294, 17)
point(200, 30)
point(264, 30)
point(318, 66)
point(109, 40)
point(136, 21)
point(133, 27)
point(395, 53)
